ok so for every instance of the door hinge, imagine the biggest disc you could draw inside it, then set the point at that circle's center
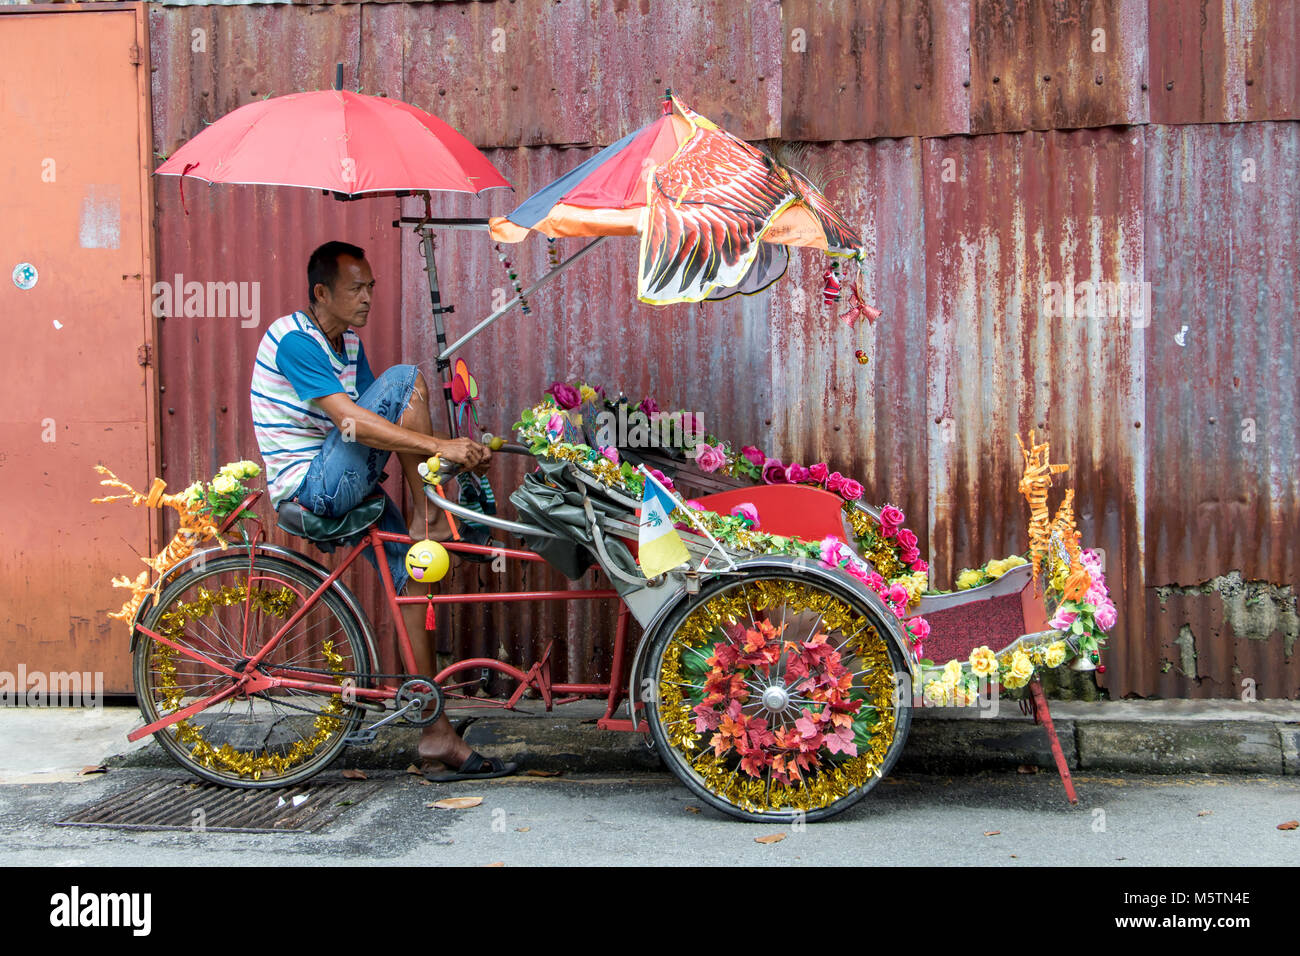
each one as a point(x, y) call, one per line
point(144, 354)
point(135, 54)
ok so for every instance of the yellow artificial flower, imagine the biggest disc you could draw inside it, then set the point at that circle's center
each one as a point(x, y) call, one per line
point(952, 673)
point(1022, 668)
point(194, 493)
point(247, 469)
point(224, 485)
point(968, 579)
point(937, 694)
point(963, 697)
point(587, 392)
point(983, 662)
point(1054, 656)
point(994, 568)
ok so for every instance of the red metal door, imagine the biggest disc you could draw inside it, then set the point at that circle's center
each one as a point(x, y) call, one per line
point(77, 386)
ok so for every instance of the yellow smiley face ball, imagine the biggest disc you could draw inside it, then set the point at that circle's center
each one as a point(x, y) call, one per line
point(427, 562)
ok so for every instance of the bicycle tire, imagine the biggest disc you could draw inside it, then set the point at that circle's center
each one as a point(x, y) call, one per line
point(254, 748)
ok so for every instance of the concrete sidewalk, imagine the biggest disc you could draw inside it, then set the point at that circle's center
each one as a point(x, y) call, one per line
point(1164, 737)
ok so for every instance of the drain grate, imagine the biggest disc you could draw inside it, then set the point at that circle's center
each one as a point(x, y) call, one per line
point(182, 804)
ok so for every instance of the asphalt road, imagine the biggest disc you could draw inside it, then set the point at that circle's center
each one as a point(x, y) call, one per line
point(987, 819)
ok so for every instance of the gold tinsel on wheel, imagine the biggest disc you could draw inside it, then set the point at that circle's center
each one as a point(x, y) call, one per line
point(195, 527)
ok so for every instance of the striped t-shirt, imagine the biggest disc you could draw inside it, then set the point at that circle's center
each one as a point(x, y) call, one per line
point(296, 364)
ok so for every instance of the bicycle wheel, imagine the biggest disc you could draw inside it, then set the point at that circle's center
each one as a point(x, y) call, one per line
point(271, 738)
point(775, 696)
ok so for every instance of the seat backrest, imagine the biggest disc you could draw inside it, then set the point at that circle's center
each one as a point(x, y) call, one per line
point(799, 511)
point(295, 519)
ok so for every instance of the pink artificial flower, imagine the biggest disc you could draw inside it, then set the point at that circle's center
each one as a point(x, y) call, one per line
point(748, 512)
point(1091, 559)
point(1105, 616)
point(649, 406)
point(1063, 619)
point(663, 479)
point(833, 551)
point(919, 627)
point(555, 427)
point(819, 472)
point(834, 482)
point(906, 539)
point(919, 565)
point(910, 555)
point(891, 519)
point(708, 458)
point(694, 505)
point(898, 594)
point(850, 490)
point(1096, 596)
point(796, 473)
point(566, 396)
point(774, 472)
point(876, 582)
point(755, 456)
point(611, 453)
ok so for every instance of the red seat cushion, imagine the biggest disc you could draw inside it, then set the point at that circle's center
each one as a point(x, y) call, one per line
point(798, 511)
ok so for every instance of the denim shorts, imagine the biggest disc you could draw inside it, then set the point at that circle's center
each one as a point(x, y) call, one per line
point(344, 473)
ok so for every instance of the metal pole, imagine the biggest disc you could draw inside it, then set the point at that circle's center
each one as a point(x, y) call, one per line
point(439, 330)
point(443, 355)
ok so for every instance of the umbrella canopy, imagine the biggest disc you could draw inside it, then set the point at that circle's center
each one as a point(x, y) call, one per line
point(345, 142)
point(701, 201)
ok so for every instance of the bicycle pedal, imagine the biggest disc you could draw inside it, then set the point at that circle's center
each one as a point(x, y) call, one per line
point(360, 738)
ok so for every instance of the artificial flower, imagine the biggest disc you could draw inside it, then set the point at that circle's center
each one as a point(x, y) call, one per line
point(898, 594)
point(748, 512)
point(795, 474)
point(850, 490)
point(756, 457)
point(819, 472)
point(662, 478)
point(611, 453)
point(919, 627)
point(891, 519)
point(774, 472)
point(1054, 655)
point(1022, 668)
point(1063, 620)
point(1105, 616)
point(952, 672)
point(225, 485)
point(566, 396)
point(834, 482)
point(968, 579)
point(906, 538)
point(649, 406)
point(937, 694)
point(708, 458)
point(920, 566)
point(983, 662)
point(555, 427)
point(587, 392)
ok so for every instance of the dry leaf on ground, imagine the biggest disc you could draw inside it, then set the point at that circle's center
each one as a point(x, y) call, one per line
point(1289, 825)
point(992, 832)
point(354, 775)
point(542, 773)
point(97, 769)
point(770, 838)
point(455, 803)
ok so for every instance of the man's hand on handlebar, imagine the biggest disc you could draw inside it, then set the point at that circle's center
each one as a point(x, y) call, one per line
point(465, 451)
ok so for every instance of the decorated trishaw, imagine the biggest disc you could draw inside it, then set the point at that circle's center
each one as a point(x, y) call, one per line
point(788, 627)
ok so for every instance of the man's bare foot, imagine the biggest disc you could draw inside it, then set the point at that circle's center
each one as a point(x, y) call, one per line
point(440, 742)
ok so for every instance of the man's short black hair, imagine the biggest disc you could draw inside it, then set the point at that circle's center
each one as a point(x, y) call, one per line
point(323, 266)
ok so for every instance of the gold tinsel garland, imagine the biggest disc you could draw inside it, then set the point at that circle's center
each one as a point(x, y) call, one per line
point(279, 604)
point(835, 779)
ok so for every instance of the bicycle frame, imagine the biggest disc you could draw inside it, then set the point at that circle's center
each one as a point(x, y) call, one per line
point(536, 677)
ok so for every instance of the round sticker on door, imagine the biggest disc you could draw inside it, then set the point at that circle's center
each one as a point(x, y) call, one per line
point(25, 275)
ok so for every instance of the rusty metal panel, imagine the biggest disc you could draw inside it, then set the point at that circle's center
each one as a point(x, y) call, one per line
point(864, 421)
point(1057, 65)
point(574, 73)
point(1222, 394)
point(1224, 61)
point(1007, 216)
point(860, 70)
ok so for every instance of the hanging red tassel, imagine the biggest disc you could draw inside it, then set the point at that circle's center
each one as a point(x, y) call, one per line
point(430, 622)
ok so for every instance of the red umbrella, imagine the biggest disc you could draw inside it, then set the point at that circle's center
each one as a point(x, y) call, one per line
point(345, 142)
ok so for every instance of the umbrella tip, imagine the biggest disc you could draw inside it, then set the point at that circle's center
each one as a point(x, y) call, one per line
point(668, 101)
point(338, 76)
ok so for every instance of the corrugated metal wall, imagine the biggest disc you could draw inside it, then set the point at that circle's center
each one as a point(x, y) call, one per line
point(1182, 443)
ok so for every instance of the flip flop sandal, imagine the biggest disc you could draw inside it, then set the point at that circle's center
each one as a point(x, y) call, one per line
point(475, 767)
